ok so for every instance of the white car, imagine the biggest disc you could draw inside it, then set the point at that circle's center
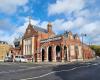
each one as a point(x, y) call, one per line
point(20, 58)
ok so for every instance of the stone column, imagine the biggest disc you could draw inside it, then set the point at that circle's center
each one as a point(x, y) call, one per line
point(38, 57)
point(46, 55)
point(38, 52)
point(23, 47)
point(68, 57)
point(54, 54)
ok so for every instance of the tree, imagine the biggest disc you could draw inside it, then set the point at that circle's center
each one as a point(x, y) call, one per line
point(96, 48)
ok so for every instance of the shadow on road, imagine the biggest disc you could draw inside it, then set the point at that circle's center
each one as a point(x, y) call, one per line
point(85, 73)
point(63, 71)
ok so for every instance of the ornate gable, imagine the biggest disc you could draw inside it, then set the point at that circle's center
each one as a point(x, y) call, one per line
point(30, 32)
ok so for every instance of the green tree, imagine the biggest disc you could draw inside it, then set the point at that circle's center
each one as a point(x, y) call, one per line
point(96, 48)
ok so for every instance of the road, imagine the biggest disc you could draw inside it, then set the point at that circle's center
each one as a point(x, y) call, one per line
point(29, 71)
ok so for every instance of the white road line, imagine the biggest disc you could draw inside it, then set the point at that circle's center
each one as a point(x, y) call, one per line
point(53, 73)
point(95, 64)
point(56, 72)
point(10, 71)
point(19, 70)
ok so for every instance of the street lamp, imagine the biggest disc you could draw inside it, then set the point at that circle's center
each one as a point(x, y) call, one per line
point(83, 35)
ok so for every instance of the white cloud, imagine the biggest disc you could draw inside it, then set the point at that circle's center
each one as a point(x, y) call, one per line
point(83, 13)
point(92, 29)
point(65, 6)
point(61, 25)
point(10, 7)
point(96, 40)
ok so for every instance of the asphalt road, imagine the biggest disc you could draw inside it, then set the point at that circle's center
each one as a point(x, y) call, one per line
point(29, 71)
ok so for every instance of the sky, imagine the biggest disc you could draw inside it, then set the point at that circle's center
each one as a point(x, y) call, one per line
point(78, 16)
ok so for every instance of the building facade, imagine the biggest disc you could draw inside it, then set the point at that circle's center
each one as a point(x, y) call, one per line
point(4, 50)
point(43, 45)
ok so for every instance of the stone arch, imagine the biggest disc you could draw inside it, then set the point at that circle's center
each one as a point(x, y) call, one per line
point(58, 53)
point(50, 53)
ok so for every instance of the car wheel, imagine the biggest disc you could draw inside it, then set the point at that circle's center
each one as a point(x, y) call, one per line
point(20, 61)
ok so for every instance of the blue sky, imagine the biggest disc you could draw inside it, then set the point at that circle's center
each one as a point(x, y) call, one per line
point(78, 16)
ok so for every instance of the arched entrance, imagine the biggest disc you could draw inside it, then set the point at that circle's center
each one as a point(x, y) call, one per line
point(65, 53)
point(58, 53)
point(43, 55)
point(50, 54)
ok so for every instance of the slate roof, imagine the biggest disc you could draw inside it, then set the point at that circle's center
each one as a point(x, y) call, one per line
point(40, 29)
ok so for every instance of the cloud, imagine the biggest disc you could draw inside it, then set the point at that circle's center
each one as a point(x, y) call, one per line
point(96, 40)
point(11, 6)
point(65, 6)
point(91, 29)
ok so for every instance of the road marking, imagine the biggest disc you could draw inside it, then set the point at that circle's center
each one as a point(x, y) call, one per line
point(19, 70)
point(95, 64)
point(54, 72)
point(41, 76)
point(11, 71)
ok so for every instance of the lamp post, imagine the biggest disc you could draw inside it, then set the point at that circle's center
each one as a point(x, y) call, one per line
point(83, 35)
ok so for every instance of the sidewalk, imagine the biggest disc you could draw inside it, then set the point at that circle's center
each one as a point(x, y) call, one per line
point(63, 63)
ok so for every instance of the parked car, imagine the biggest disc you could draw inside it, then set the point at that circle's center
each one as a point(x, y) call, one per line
point(8, 59)
point(20, 58)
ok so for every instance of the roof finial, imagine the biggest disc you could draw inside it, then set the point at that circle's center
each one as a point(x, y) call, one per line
point(30, 19)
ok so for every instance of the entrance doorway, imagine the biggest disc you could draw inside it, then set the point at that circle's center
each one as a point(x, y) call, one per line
point(58, 53)
point(50, 54)
point(43, 55)
point(65, 53)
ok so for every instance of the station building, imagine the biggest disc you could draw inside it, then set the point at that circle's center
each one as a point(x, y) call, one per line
point(43, 45)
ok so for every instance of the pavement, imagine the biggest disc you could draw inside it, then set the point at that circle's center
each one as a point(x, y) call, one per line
point(71, 71)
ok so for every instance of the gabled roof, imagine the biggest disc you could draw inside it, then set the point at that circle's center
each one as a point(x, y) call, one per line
point(39, 29)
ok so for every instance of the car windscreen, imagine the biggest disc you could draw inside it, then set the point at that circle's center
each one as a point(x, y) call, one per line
point(16, 56)
point(22, 57)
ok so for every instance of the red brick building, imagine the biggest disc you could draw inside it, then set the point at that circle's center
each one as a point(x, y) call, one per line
point(43, 45)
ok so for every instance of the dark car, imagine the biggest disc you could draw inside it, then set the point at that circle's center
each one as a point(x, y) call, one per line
point(8, 59)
